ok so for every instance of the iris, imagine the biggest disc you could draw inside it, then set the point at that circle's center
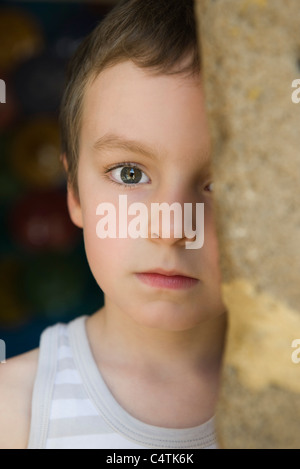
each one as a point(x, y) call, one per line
point(131, 175)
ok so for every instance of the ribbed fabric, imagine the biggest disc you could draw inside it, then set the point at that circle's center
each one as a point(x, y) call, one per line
point(72, 408)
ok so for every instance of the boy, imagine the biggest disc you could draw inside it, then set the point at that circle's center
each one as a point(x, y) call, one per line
point(143, 371)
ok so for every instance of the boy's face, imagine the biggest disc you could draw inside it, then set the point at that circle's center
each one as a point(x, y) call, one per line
point(165, 114)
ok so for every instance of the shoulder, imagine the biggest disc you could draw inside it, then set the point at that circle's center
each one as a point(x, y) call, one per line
point(17, 377)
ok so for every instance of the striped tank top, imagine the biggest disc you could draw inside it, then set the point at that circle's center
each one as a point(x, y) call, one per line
point(72, 407)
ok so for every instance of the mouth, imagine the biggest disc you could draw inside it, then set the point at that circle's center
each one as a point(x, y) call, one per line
point(163, 279)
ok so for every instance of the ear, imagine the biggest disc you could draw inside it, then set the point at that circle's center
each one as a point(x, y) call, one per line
point(74, 207)
point(73, 200)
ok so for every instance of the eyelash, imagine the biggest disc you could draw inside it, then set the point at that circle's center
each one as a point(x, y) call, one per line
point(108, 169)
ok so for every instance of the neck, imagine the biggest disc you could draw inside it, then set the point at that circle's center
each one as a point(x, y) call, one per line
point(118, 338)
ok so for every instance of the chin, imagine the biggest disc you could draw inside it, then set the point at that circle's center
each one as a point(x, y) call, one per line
point(168, 317)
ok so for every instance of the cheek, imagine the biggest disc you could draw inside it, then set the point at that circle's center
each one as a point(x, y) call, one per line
point(106, 257)
point(102, 254)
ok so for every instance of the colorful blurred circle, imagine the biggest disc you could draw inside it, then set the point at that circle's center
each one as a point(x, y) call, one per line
point(20, 37)
point(35, 153)
point(39, 221)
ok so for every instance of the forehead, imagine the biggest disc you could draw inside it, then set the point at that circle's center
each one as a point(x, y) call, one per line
point(166, 112)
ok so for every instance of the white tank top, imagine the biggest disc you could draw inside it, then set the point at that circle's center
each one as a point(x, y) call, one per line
point(72, 408)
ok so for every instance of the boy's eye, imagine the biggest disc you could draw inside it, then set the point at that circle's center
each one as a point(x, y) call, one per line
point(128, 175)
point(210, 187)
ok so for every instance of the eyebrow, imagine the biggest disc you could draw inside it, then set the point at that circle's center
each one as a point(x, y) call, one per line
point(111, 141)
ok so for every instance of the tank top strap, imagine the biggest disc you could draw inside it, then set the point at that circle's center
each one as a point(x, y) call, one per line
point(44, 385)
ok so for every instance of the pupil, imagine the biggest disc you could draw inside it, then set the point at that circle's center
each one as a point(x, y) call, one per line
point(131, 175)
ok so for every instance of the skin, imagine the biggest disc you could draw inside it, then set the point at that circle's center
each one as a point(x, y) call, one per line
point(159, 350)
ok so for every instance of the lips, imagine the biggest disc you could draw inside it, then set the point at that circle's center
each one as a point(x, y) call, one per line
point(160, 278)
point(167, 273)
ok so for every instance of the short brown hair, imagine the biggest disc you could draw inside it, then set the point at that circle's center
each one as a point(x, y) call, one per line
point(153, 34)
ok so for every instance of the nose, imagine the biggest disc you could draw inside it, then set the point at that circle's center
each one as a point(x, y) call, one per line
point(172, 218)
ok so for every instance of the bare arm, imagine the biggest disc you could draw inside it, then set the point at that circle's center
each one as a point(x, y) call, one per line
point(16, 385)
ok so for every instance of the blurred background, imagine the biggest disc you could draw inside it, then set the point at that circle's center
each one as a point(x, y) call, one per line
point(44, 275)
